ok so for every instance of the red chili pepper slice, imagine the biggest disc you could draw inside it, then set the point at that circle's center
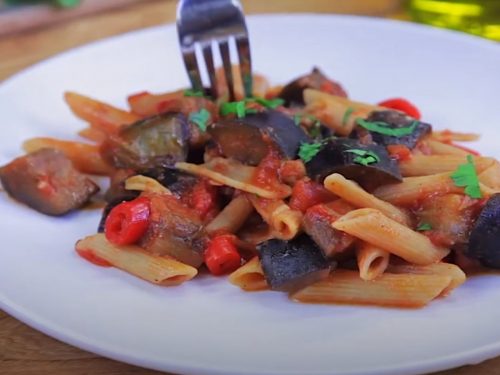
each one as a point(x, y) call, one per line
point(221, 255)
point(402, 105)
point(128, 221)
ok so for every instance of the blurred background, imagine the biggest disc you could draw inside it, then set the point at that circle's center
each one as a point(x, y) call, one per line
point(31, 30)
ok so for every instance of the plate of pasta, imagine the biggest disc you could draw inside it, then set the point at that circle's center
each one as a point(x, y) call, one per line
point(334, 222)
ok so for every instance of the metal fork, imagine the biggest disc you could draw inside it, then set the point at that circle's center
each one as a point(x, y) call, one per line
point(208, 22)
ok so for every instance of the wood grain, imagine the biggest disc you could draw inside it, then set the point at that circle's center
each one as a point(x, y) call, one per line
point(24, 351)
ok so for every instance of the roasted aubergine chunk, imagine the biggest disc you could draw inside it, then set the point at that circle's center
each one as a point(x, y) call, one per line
point(158, 141)
point(293, 92)
point(484, 238)
point(368, 164)
point(47, 181)
point(294, 264)
point(392, 128)
point(248, 139)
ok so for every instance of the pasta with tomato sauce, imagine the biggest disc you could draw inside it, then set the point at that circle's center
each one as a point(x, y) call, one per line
point(297, 189)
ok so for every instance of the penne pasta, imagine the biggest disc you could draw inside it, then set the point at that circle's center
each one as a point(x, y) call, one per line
point(284, 221)
point(92, 134)
point(147, 184)
point(447, 136)
point(354, 194)
point(373, 227)
point(250, 276)
point(414, 189)
point(397, 290)
point(232, 217)
point(424, 165)
point(85, 157)
point(457, 276)
point(234, 174)
point(156, 269)
point(440, 148)
point(372, 261)
point(490, 177)
point(331, 110)
point(100, 115)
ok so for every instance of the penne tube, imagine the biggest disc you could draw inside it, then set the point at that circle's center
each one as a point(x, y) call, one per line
point(331, 110)
point(284, 222)
point(457, 276)
point(232, 217)
point(100, 115)
point(250, 276)
point(85, 157)
point(147, 184)
point(490, 177)
point(397, 290)
point(352, 193)
point(372, 261)
point(156, 269)
point(424, 165)
point(373, 227)
point(415, 189)
point(448, 135)
point(440, 148)
point(92, 134)
point(234, 174)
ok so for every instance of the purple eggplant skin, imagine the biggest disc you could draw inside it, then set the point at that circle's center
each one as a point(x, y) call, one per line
point(335, 158)
point(484, 238)
point(248, 139)
point(395, 120)
point(157, 141)
point(293, 92)
point(291, 265)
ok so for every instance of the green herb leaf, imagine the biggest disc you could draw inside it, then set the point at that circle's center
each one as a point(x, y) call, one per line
point(346, 116)
point(384, 128)
point(237, 108)
point(424, 226)
point(297, 119)
point(307, 151)
point(315, 130)
point(364, 157)
point(195, 93)
point(269, 103)
point(466, 176)
point(200, 118)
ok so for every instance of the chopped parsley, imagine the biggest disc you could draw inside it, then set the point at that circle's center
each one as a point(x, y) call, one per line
point(308, 151)
point(385, 129)
point(269, 103)
point(424, 226)
point(346, 116)
point(237, 108)
point(466, 176)
point(364, 157)
point(200, 118)
point(195, 93)
point(315, 129)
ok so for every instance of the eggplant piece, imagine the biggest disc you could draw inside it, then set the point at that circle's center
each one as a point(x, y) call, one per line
point(158, 141)
point(317, 223)
point(174, 230)
point(345, 156)
point(394, 120)
point(291, 265)
point(293, 92)
point(484, 238)
point(248, 139)
point(177, 182)
point(46, 181)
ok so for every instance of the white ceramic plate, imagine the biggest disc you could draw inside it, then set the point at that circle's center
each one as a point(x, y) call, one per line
point(208, 326)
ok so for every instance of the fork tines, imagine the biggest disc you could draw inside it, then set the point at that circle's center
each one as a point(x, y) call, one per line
point(205, 25)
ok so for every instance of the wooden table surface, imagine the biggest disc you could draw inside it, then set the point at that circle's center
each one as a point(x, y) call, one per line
point(24, 351)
